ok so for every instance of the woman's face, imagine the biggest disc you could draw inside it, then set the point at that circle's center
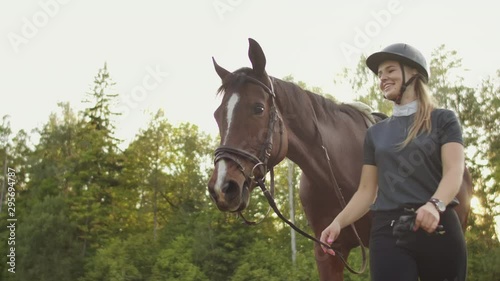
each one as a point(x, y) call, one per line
point(391, 79)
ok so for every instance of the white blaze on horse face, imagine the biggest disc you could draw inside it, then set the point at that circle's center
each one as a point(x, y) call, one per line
point(221, 165)
point(221, 174)
point(231, 105)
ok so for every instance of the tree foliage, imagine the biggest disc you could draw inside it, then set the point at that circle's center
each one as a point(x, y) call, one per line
point(88, 210)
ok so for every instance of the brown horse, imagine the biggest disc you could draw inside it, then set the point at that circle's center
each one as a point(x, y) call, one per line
point(262, 120)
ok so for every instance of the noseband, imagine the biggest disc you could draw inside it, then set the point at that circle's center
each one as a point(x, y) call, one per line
point(260, 161)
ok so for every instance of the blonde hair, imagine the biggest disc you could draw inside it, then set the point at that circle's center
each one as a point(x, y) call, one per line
point(422, 122)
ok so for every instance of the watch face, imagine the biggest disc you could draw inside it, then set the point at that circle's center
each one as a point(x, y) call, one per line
point(441, 206)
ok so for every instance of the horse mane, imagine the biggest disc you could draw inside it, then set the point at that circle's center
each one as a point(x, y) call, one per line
point(328, 106)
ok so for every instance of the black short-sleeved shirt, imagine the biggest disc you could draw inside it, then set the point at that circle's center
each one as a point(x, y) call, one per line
point(410, 175)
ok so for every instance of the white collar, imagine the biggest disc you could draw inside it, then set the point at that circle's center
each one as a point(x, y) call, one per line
point(406, 109)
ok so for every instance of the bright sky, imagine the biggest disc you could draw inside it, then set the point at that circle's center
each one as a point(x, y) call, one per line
point(159, 52)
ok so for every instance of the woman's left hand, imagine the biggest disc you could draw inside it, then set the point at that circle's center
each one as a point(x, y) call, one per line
point(427, 218)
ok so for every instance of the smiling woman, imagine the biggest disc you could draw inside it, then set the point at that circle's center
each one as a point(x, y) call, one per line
point(413, 168)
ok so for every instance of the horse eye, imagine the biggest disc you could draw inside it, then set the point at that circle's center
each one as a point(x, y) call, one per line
point(258, 109)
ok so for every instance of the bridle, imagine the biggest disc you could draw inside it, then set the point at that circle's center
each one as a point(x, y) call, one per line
point(261, 161)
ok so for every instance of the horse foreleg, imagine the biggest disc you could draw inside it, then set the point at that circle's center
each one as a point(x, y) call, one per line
point(330, 268)
point(320, 211)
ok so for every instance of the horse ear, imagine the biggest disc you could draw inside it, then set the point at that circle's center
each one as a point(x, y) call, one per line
point(257, 57)
point(220, 70)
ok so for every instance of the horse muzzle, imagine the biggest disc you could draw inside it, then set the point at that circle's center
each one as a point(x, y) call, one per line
point(229, 188)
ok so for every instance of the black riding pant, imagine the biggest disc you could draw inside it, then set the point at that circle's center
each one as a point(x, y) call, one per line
point(436, 257)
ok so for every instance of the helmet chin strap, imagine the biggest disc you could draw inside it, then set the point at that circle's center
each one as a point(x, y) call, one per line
point(397, 100)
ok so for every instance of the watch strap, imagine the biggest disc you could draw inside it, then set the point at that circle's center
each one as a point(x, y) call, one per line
point(440, 206)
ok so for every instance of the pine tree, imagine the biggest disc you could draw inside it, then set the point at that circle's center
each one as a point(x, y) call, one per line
point(97, 166)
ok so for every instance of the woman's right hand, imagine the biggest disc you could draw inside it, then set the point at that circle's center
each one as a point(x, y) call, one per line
point(329, 235)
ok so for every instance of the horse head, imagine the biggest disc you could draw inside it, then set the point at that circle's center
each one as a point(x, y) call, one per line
point(252, 134)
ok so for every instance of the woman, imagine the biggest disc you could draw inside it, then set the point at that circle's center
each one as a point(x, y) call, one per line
point(413, 167)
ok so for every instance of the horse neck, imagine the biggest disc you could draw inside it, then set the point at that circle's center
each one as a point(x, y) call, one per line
point(313, 122)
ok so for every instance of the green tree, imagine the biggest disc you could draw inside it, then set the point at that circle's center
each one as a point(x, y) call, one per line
point(121, 260)
point(13, 159)
point(147, 159)
point(46, 237)
point(5, 132)
point(483, 240)
point(47, 248)
point(220, 241)
point(164, 168)
point(175, 262)
point(77, 159)
point(488, 115)
point(97, 166)
point(50, 171)
point(263, 261)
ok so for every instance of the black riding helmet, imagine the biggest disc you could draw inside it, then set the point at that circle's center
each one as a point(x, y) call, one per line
point(405, 55)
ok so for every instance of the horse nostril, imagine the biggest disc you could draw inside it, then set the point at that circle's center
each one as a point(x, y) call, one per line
point(230, 189)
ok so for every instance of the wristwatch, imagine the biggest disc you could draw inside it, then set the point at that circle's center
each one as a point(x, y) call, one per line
point(440, 206)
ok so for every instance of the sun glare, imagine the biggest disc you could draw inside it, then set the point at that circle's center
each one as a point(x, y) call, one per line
point(478, 209)
point(476, 205)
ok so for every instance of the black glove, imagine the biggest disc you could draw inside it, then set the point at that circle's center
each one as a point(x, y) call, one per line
point(403, 230)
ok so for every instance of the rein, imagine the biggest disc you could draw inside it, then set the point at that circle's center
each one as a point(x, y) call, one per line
point(233, 153)
point(338, 254)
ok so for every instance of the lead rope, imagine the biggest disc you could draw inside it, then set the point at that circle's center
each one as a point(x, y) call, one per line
point(340, 197)
point(272, 203)
point(338, 191)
